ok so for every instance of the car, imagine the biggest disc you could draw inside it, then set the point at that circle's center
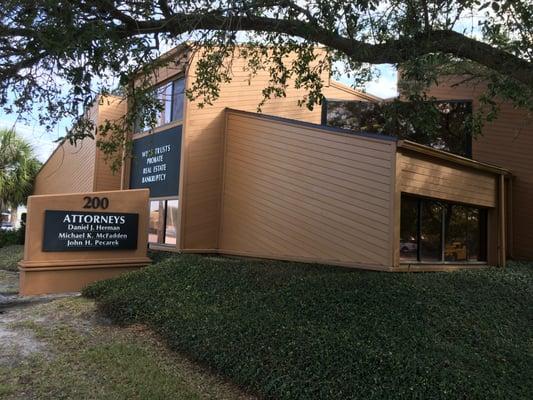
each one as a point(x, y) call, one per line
point(455, 251)
point(6, 226)
point(408, 247)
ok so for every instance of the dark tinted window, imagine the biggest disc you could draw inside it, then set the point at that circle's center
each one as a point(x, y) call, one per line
point(431, 231)
point(444, 125)
point(172, 97)
point(435, 231)
point(409, 229)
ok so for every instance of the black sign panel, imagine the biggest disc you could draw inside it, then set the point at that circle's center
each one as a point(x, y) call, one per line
point(156, 163)
point(81, 230)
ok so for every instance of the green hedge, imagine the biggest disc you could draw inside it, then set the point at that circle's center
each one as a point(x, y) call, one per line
point(8, 238)
point(293, 331)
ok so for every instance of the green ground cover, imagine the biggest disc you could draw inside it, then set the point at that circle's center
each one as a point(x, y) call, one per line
point(294, 331)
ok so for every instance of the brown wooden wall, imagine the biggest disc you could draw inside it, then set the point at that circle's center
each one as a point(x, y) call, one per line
point(430, 177)
point(81, 167)
point(292, 191)
point(110, 108)
point(70, 169)
point(203, 145)
point(507, 142)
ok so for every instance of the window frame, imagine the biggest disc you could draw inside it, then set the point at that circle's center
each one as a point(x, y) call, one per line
point(468, 139)
point(482, 226)
point(137, 133)
point(162, 228)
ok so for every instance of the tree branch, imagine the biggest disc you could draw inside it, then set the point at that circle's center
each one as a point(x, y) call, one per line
point(394, 51)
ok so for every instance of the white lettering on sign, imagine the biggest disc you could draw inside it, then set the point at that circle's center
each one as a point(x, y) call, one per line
point(155, 162)
point(94, 219)
point(77, 230)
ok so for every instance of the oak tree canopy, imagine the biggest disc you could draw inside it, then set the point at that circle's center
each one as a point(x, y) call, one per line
point(56, 55)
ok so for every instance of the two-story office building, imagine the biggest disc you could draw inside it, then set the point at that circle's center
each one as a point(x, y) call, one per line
point(278, 184)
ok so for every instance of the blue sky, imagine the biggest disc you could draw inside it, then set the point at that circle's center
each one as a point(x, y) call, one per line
point(43, 142)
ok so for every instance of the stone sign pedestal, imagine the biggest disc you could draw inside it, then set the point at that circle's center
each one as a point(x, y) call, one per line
point(75, 239)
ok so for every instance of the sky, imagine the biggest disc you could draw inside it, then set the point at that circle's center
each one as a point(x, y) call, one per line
point(44, 142)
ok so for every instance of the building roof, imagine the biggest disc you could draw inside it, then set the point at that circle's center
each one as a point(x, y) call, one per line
point(444, 155)
point(350, 90)
point(311, 125)
point(401, 144)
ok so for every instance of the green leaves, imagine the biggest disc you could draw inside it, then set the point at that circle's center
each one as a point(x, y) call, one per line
point(296, 331)
point(18, 168)
point(56, 56)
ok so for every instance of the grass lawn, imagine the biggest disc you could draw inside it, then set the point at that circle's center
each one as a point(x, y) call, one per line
point(294, 331)
point(10, 256)
point(62, 350)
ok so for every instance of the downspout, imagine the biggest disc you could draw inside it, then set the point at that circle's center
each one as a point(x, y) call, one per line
point(501, 221)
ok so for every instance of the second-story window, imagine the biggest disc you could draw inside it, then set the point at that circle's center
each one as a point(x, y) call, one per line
point(444, 125)
point(172, 96)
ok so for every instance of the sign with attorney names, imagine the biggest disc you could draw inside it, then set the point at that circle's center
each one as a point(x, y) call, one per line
point(83, 230)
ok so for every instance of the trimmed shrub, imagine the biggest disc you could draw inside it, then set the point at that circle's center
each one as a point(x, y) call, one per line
point(8, 238)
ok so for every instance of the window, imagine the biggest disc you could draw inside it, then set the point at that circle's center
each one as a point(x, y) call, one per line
point(409, 229)
point(171, 219)
point(163, 225)
point(436, 231)
point(172, 97)
point(430, 230)
point(155, 221)
point(452, 121)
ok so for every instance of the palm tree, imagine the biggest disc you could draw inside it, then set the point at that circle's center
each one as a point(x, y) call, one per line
point(18, 168)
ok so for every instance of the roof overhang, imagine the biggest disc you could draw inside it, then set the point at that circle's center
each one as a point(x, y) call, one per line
point(444, 155)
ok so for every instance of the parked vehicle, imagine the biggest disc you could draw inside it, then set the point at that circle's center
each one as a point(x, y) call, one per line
point(6, 226)
point(455, 251)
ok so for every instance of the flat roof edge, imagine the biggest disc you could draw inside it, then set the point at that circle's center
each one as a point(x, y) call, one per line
point(444, 155)
point(341, 86)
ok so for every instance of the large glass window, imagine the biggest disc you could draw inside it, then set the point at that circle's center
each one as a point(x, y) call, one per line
point(163, 226)
point(409, 229)
point(431, 231)
point(172, 97)
point(435, 231)
point(451, 121)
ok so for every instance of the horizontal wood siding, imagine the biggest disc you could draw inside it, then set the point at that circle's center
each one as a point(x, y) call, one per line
point(70, 169)
point(506, 142)
point(439, 179)
point(203, 144)
point(110, 108)
point(296, 192)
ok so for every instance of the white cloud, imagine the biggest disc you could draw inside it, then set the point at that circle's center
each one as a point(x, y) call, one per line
point(385, 86)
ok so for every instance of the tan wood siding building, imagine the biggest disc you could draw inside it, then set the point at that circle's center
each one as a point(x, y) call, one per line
point(298, 192)
point(507, 142)
point(277, 184)
point(82, 167)
point(203, 144)
point(422, 175)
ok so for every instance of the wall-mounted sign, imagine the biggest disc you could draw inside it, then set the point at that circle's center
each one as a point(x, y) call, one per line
point(156, 163)
point(78, 230)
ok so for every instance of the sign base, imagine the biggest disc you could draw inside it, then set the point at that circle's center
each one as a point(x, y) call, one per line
point(36, 280)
